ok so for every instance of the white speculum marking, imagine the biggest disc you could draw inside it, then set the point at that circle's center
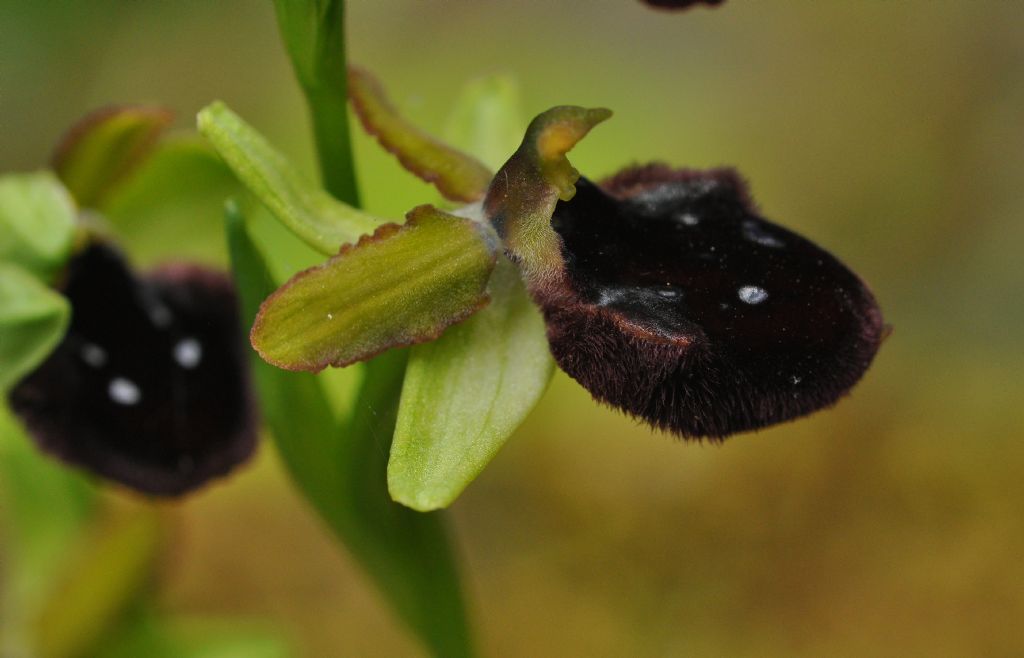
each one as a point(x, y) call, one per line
point(755, 233)
point(188, 352)
point(124, 391)
point(93, 355)
point(687, 219)
point(752, 294)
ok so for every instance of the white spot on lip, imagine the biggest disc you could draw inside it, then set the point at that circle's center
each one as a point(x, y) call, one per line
point(188, 352)
point(687, 219)
point(124, 391)
point(668, 292)
point(756, 233)
point(94, 355)
point(752, 294)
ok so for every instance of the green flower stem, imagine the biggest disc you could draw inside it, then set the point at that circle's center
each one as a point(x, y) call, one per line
point(314, 33)
point(334, 147)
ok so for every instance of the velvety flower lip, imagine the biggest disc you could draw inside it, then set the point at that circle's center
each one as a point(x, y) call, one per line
point(150, 386)
point(680, 4)
point(680, 305)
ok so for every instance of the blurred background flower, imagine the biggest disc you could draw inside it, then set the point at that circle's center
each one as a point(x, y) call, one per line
point(889, 132)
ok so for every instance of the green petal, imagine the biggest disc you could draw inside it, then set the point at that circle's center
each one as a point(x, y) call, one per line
point(105, 147)
point(33, 319)
point(340, 468)
point(37, 222)
point(402, 285)
point(458, 176)
point(465, 394)
point(524, 192)
point(312, 214)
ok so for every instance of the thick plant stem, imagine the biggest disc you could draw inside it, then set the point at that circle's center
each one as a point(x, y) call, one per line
point(333, 143)
point(408, 554)
point(314, 33)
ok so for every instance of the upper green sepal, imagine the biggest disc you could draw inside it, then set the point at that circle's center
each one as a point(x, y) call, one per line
point(33, 319)
point(311, 213)
point(37, 222)
point(103, 148)
point(487, 119)
point(523, 194)
point(457, 175)
point(400, 286)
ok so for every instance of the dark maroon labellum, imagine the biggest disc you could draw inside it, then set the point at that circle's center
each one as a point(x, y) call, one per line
point(150, 385)
point(682, 306)
point(680, 4)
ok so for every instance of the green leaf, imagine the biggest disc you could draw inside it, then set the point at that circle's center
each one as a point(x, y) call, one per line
point(37, 222)
point(524, 192)
point(402, 285)
point(312, 214)
point(487, 119)
point(102, 149)
point(465, 393)
point(458, 176)
point(340, 468)
point(103, 579)
point(33, 319)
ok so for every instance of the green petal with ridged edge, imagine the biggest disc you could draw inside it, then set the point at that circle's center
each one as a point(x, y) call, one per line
point(33, 319)
point(403, 285)
point(457, 175)
point(105, 147)
point(37, 222)
point(311, 213)
point(465, 394)
point(524, 192)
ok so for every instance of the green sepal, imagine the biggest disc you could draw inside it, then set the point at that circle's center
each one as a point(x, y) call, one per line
point(105, 147)
point(311, 213)
point(465, 393)
point(457, 175)
point(487, 119)
point(400, 286)
point(340, 466)
point(524, 192)
point(33, 319)
point(172, 207)
point(37, 222)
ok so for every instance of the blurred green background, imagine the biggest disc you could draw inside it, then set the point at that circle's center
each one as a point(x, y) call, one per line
point(890, 132)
